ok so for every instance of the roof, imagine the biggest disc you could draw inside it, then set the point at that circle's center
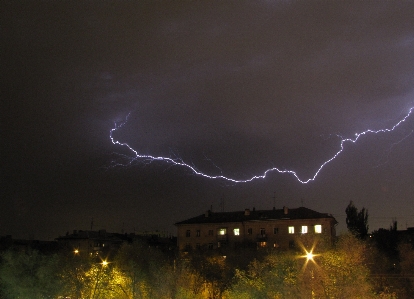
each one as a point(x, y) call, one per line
point(255, 215)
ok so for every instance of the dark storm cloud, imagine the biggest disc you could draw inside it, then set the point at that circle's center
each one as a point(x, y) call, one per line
point(287, 75)
point(236, 87)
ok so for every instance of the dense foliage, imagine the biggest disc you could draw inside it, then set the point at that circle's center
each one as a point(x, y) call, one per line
point(351, 268)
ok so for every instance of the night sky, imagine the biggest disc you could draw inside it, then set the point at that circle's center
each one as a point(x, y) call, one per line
point(230, 87)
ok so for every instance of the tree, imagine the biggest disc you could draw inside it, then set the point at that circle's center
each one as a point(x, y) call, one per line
point(147, 271)
point(342, 271)
point(29, 274)
point(274, 277)
point(357, 222)
point(214, 270)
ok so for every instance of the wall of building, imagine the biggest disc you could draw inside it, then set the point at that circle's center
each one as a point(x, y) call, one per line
point(267, 233)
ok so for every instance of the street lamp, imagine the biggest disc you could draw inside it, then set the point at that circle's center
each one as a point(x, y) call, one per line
point(309, 255)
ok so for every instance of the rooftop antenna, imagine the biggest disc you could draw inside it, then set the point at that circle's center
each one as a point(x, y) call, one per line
point(92, 224)
point(274, 199)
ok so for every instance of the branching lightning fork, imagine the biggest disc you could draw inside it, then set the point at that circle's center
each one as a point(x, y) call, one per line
point(180, 162)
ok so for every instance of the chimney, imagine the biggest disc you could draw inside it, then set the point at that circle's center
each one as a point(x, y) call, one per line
point(285, 210)
point(246, 212)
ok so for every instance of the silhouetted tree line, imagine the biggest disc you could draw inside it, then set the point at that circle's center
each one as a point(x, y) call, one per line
point(357, 265)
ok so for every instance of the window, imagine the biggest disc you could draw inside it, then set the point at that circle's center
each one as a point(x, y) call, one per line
point(222, 231)
point(198, 233)
point(198, 246)
point(210, 245)
point(249, 231)
point(291, 229)
point(275, 230)
point(210, 232)
point(236, 231)
point(304, 229)
point(292, 244)
point(262, 232)
point(261, 244)
point(187, 233)
point(318, 229)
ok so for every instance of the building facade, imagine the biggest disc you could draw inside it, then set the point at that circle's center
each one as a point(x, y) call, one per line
point(277, 228)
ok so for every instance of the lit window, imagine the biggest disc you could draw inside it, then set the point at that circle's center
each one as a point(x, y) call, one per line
point(291, 229)
point(222, 231)
point(318, 229)
point(236, 231)
point(304, 229)
point(261, 244)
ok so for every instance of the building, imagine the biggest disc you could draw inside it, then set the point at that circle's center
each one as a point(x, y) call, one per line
point(92, 243)
point(277, 228)
point(102, 243)
point(45, 247)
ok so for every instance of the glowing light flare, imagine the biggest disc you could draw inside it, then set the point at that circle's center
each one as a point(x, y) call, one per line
point(309, 255)
point(179, 162)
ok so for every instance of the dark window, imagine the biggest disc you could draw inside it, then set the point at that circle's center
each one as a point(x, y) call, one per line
point(187, 233)
point(249, 231)
point(262, 231)
point(210, 245)
point(291, 244)
point(198, 246)
point(275, 230)
point(210, 232)
point(198, 233)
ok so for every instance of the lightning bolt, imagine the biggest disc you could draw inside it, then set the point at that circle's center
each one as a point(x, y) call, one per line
point(194, 170)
